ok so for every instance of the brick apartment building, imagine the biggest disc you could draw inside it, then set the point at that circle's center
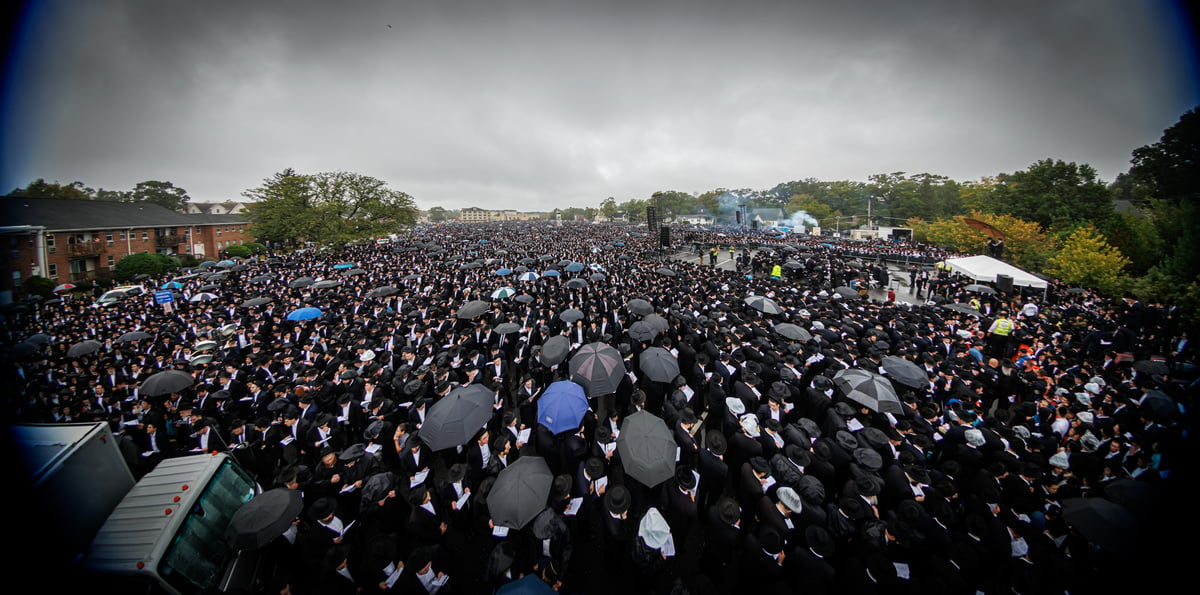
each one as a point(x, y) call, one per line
point(82, 240)
point(478, 215)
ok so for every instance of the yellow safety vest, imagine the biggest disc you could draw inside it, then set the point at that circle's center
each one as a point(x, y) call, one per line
point(1003, 327)
point(777, 271)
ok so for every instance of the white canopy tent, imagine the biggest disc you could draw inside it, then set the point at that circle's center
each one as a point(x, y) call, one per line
point(985, 268)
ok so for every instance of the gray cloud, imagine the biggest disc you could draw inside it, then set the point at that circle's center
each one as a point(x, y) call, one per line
point(533, 105)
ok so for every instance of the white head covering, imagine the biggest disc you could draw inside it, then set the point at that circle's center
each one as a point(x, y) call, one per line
point(975, 437)
point(654, 529)
point(750, 424)
point(735, 405)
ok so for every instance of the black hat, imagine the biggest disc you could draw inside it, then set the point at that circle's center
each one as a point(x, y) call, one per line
point(594, 467)
point(819, 541)
point(868, 459)
point(797, 455)
point(374, 429)
point(846, 440)
point(760, 465)
point(322, 508)
point(811, 489)
point(728, 510)
point(353, 452)
point(616, 499)
point(457, 472)
point(685, 478)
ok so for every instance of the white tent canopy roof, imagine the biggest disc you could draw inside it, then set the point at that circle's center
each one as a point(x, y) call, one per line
point(985, 268)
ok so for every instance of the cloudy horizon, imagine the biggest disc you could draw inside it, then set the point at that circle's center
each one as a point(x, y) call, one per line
point(533, 105)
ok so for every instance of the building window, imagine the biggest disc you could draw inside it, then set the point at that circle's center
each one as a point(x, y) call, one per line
point(121, 235)
point(145, 235)
point(108, 237)
point(52, 270)
point(218, 230)
point(111, 261)
point(50, 243)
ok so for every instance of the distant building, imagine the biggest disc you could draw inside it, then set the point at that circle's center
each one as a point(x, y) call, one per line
point(228, 207)
point(478, 215)
point(83, 240)
point(696, 219)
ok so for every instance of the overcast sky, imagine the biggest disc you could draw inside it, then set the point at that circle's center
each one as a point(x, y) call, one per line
point(534, 105)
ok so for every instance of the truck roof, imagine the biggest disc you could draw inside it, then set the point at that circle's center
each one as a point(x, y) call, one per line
point(140, 528)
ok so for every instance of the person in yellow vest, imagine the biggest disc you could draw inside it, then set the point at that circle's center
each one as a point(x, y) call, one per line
point(712, 256)
point(975, 303)
point(776, 272)
point(998, 335)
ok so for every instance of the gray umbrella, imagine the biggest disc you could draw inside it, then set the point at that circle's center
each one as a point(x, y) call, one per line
point(473, 309)
point(166, 382)
point(84, 348)
point(847, 292)
point(658, 322)
point(524, 298)
point(905, 372)
point(507, 328)
point(520, 492)
point(598, 368)
point(976, 288)
point(301, 282)
point(598, 277)
point(576, 284)
point(962, 309)
point(666, 272)
point(256, 302)
point(640, 307)
point(263, 518)
point(554, 350)
point(1150, 366)
point(384, 291)
point(643, 331)
point(260, 279)
point(327, 284)
point(133, 336)
point(647, 449)
point(763, 304)
point(1103, 522)
point(454, 419)
point(39, 339)
point(353, 272)
point(868, 389)
point(793, 332)
point(658, 364)
point(570, 316)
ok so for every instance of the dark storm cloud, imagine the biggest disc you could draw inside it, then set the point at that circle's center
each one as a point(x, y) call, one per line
point(533, 105)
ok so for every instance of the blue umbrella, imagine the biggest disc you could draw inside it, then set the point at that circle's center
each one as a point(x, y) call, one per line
point(171, 285)
point(618, 243)
point(530, 584)
point(562, 406)
point(503, 272)
point(529, 276)
point(575, 267)
point(551, 273)
point(827, 245)
point(344, 265)
point(304, 314)
point(208, 263)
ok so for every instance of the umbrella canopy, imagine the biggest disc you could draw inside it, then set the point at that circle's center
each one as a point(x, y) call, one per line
point(962, 309)
point(301, 282)
point(1160, 405)
point(454, 419)
point(986, 228)
point(203, 297)
point(166, 382)
point(524, 298)
point(64, 287)
point(327, 284)
point(868, 389)
point(473, 309)
point(133, 336)
point(658, 322)
point(260, 279)
point(551, 273)
point(847, 292)
point(1150, 366)
point(503, 272)
point(562, 406)
point(38, 339)
point(905, 372)
point(344, 265)
point(503, 293)
point(647, 449)
point(207, 264)
point(658, 364)
point(1102, 522)
point(256, 302)
point(84, 348)
point(976, 288)
point(22, 350)
point(570, 316)
point(643, 331)
point(354, 272)
point(507, 328)
point(575, 267)
point(598, 277)
point(598, 368)
point(793, 332)
point(576, 284)
point(520, 492)
point(666, 272)
point(384, 291)
point(304, 314)
point(640, 307)
point(530, 584)
point(763, 304)
point(171, 285)
point(528, 276)
point(262, 519)
point(554, 350)
point(226, 264)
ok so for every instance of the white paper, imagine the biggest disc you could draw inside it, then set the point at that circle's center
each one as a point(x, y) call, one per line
point(348, 488)
point(854, 425)
point(418, 478)
point(393, 574)
point(669, 547)
point(601, 483)
point(767, 483)
point(288, 440)
point(523, 435)
point(609, 448)
point(374, 448)
point(573, 507)
point(463, 500)
point(901, 570)
point(678, 451)
point(500, 531)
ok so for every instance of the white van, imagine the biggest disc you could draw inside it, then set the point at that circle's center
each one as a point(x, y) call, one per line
point(117, 294)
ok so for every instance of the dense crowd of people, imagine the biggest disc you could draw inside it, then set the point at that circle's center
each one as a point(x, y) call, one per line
point(990, 422)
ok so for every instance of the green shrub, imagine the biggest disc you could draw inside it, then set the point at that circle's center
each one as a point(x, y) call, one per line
point(39, 286)
point(144, 264)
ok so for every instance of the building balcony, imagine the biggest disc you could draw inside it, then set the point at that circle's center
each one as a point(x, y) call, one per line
point(85, 249)
point(165, 241)
point(82, 276)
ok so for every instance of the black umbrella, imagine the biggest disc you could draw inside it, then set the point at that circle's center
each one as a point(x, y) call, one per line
point(658, 364)
point(301, 282)
point(260, 279)
point(647, 449)
point(666, 272)
point(411, 277)
point(1150, 366)
point(846, 292)
point(658, 322)
point(166, 382)
point(327, 284)
point(868, 389)
point(524, 298)
point(454, 419)
point(763, 304)
point(554, 350)
point(1160, 405)
point(262, 519)
point(209, 287)
point(256, 302)
point(792, 265)
point(976, 288)
point(133, 336)
point(22, 350)
point(598, 368)
point(793, 332)
point(962, 309)
point(473, 309)
point(39, 339)
point(643, 331)
point(353, 272)
point(507, 328)
point(640, 307)
point(83, 348)
point(384, 291)
point(520, 492)
point(570, 316)
point(576, 284)
point(1102, 522)
point(597, 277)
point(905, 372)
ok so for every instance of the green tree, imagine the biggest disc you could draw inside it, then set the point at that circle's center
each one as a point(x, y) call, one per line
point(40, 188)
point(634, 209)
point(1055, 194)
point(144, 264)
point(1086, 259)
point(284, 209)
point(608, 208)
point(438, 214)
point(163, 194)
point(1026, 244)
point(39, 286)
point(1137, 239)
point(1168, 167)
